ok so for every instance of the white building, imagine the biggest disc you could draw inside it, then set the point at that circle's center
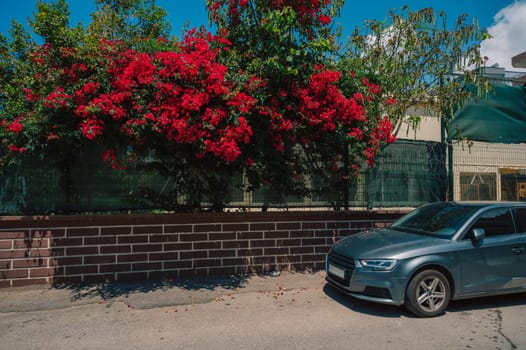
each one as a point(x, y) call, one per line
point(481, 171)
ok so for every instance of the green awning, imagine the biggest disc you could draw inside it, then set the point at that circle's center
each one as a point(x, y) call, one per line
point(498, 118)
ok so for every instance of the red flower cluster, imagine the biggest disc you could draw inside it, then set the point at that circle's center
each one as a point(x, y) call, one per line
point(183, 96)
point(91, 128)
point(30, 97)
point(14, 148)
point(318, 110)
point(382, 133)
point(110, 156)
point(321, 109)
point(374, 89)
point(323, 106)
point(56, 99)
point(15, 126)
point(307, 11)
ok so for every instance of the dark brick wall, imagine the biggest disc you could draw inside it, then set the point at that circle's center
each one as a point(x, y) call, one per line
point(86, 249)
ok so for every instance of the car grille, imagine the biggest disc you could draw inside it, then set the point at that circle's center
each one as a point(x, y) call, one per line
point(377, 292)
point(344, 262)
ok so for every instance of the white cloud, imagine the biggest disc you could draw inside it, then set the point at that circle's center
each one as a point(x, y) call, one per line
point(509, 35)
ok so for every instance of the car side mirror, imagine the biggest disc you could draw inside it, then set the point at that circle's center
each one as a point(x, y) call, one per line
point(477, 234)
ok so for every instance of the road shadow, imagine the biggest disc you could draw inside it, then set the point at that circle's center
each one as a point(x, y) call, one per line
point(363, 306)
point(111, 290)
point(390, 311)
point(487, 302)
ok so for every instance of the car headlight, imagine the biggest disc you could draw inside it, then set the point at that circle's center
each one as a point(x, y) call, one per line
point(378, 264)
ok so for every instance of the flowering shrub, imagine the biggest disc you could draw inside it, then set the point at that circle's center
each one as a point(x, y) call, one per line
point(255, 102)
point(324, 107)
point(320, 116)
point(318, 122)
point(182, 96)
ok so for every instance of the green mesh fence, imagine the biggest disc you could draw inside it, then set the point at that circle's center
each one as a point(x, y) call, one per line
point(408, 173)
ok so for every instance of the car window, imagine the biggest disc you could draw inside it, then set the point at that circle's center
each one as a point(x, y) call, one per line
point(495, 222)
point(520, 216)
point(441, 220)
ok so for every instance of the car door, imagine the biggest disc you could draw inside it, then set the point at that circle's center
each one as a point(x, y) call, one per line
point(496, 262)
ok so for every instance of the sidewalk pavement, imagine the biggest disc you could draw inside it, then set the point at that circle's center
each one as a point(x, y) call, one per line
point(152, 294)
point(291, 311)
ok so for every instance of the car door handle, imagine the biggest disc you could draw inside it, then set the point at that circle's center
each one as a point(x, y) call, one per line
point(518, 250)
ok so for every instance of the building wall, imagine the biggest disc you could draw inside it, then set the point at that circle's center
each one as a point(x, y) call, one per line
point(481, 171)
point(87, 249)
point(429, 128)
point(485, 164)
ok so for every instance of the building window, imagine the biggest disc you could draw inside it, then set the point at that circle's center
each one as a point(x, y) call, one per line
point(513, 183)
point(478, 186)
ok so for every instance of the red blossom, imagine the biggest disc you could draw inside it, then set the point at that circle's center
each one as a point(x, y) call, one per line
point(30, 96)
point(384, 130)
point(56, 99)
point(357, 134)
point(91, 128)
point(324, 19)
point(88, 89)
point(52, 136)
point(110, 156)
point(15, 126)
point(373, 88)
point(370, 154)
point(390, 101)
point(307, 11)
point(14, 148)
point(242, 102)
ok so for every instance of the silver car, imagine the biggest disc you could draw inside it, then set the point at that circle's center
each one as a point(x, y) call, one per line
point(436, 253)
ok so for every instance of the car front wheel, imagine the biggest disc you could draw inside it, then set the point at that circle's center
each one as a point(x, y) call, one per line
point(428, 294)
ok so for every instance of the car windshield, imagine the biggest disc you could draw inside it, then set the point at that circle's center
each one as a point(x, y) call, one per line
point(441, 219)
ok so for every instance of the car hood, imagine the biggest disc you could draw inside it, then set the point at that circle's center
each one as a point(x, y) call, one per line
point(387, 243)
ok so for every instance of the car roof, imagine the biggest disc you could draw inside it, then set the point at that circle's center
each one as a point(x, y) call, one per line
point(487, 204)
point(480, 205)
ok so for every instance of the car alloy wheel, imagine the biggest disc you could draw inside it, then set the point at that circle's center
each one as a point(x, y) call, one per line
point(428, 294)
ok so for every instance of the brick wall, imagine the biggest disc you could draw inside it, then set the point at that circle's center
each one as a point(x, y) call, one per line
point(87, 249)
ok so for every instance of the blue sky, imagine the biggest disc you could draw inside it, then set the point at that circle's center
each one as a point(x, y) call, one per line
point(507, 17)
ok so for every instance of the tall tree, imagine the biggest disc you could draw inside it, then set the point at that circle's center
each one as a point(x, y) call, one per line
point(14, 67)
point(36, 118)
point(315, 131)
point(420, 58)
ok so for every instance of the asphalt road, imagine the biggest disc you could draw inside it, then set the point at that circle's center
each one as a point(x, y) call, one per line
point(293, 311)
